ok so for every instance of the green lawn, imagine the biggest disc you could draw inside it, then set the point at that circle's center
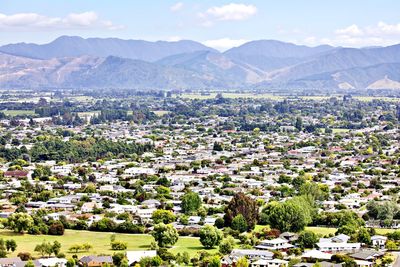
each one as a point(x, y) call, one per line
point(100, 242)
point(18, 112)
point(161, 113)
point(327, 231)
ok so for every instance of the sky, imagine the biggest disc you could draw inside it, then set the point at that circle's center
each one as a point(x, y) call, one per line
point(219, 24)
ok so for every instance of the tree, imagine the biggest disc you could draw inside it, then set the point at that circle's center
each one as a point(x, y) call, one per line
point(124, 263)
point(292, 215)
point(75, 248)
point(226, 246)
point(45, 248)
point(299, 124)
point(191, 202)
point(242, 262)
point(391, 245)
point(20, 222)
point(56, 228)
point(363, 236)
point(242, 204)
point(214, 262)
point(307, 239)
point(163, 216)
point(117, 258)
point(87, 246)
point(30, 264)
point(24, 256)
point(210, 236)
point(239, 223)
point(11, 245)
point(71, 262)
point(165, 235)
point(119, 245)
point(56, 247)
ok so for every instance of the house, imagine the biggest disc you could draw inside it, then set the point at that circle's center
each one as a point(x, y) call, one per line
point(16, 174)
point(316, 254)
point(51, 262)
point(95, 261)
point(322, 263)
point(333, 247)
point(269, 263)
point(135, 256)
point(275, 244)
point(251, 254)
point(378, 241)
point(88, 207)
point(10, 262)
point(291, 237)
point(367, 255)
point(361, 263)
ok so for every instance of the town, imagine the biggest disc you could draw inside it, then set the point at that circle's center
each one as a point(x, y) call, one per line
point(198, 179)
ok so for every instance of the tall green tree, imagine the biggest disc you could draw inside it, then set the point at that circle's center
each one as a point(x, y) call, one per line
point(191, 202)
point(165, 235)
point(210, 236)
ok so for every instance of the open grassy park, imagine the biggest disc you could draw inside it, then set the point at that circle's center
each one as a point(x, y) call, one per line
point(18, 112)
point(99, 240)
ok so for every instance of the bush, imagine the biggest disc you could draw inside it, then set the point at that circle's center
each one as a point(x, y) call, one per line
point(25, 256)
point(56, 228)
point(118, 245)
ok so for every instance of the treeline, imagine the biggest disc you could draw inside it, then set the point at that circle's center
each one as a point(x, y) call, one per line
point(88, 149)
point(137, 116)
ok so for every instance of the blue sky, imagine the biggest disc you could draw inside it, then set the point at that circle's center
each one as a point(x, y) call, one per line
point(221, 24)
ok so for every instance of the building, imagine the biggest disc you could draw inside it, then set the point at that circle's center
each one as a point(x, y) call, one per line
point(379, 241)
point(95, 261)
point(275, 244)
point(135, 256)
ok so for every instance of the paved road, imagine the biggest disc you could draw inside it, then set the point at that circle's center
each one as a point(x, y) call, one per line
point(397, 262)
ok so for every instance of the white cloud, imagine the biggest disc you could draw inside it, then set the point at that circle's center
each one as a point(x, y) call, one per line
point(176, 7)
point(174, 39)
point(383, 28)
point(229, 12)
point(381, 34)
point(224, 43)
point(352, 30)
point(34, 21)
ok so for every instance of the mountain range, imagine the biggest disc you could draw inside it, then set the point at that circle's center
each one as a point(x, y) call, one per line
point(75, 62)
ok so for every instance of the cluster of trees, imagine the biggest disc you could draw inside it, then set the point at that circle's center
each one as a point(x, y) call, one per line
point(384, 211)
point(47, 249)
point(21, 222)
point(292, 215)
point(88, 149)
point(6, 246)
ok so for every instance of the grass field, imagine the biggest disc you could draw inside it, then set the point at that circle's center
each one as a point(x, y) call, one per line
point(100, 242)
point(161, 113)
point(18, 112)
point(327, 230)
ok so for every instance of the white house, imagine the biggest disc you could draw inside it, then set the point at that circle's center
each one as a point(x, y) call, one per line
point(378, 241)
point(269, 263)
point(135, 256)
point(274, 244)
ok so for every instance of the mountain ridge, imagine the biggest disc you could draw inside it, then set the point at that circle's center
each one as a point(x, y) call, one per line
point(75, 62)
